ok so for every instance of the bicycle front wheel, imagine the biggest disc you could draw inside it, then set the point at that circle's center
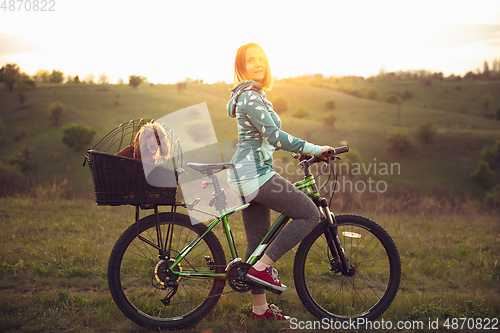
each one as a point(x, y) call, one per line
point(368, 290)
point(143, 287)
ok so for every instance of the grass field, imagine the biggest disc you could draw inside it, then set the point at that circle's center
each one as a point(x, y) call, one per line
point(56, 241)
point(54, 252)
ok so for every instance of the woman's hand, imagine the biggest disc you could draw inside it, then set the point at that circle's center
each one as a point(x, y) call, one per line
point(325, 149)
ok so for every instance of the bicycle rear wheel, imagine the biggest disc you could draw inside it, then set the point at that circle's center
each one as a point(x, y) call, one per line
point(142, 287)
point(370, 288)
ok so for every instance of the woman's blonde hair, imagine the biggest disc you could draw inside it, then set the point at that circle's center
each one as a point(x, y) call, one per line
point(240, 72)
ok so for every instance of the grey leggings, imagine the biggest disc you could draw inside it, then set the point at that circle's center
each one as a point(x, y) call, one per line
point(281, 196)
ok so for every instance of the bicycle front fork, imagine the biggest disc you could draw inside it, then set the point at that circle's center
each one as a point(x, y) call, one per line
point(332, 238)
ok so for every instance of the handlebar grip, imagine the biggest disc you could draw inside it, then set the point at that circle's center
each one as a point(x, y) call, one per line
point(341, 150)
point(336, 151)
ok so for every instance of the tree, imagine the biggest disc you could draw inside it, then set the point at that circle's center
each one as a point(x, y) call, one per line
point(407, 95)
point(395, 99)
point(77, 136)
point(181, 86)
point(483, 174)
point(23, 85)
point(399, 142)
point(135, 80)
point(495, 67)
point(56, 111)
point(41, 76)
point(330, 104)
point(76, 79)
point(492, 198)
point(103, 79)
point(90, 79)
point(372, 93)
point(329, 118)
point(486, 70)
point(302, 113)
point(56, 77)
point(491, 155)
point(280, 104)
point(485, 100)
point(9, 75)
point(426, 131)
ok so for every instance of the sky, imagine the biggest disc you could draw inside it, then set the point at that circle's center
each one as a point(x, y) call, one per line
point(169, 41)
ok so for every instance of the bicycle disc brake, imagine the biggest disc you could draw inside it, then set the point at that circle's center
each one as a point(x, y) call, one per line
point(236, 275)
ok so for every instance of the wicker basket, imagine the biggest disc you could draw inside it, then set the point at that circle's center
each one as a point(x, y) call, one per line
point(121, 180)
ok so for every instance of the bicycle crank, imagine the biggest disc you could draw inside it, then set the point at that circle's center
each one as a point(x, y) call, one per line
point(236, 272)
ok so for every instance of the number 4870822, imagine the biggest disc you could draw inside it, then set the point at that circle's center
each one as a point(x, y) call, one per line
point(28, 5)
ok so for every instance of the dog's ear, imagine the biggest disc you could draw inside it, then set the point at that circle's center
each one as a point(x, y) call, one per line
point(137, 146)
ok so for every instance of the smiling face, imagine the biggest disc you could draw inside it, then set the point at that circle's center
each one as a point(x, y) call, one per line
point(255, 64)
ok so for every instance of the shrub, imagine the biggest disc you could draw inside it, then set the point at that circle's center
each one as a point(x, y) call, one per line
point(135, 80)
point(302, 113)
point(426, 131)
point(56, 111)
point(492, 198)
point(483, 174)
point(330, 104)
point(407, 94)
point(19, 160)
point(399, 142)
point(77, 136)
point(10, 178)
point(485, 100)
point(491, 155)
point(372, 93)
point(393, 99)
point(280, 104)
point(329, 118)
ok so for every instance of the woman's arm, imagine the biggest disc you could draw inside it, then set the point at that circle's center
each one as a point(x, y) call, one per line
point(253, 105)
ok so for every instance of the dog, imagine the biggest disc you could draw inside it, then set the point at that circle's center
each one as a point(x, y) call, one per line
point(150, 144)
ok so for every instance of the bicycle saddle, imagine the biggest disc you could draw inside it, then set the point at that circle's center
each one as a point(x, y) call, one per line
point(212, 168)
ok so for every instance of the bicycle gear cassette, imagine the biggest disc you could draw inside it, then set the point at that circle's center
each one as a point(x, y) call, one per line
point(162, 273)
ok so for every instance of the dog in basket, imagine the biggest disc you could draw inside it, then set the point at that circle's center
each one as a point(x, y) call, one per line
point(150, 144)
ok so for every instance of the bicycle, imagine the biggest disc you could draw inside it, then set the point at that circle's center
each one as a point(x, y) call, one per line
point(166, 272)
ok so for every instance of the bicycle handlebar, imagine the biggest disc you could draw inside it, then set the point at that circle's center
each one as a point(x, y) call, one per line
point(329, 153)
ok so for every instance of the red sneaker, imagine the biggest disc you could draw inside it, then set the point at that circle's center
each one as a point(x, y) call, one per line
point(272, 312)
point(268, 277)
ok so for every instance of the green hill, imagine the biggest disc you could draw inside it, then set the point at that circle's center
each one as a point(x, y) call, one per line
point(440, 168)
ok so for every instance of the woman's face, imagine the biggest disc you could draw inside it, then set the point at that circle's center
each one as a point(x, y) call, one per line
point(255, 64)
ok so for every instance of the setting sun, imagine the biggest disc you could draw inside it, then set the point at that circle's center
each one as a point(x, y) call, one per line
point(167, 43)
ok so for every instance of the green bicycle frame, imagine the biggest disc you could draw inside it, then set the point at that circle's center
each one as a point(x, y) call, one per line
point(307, 185)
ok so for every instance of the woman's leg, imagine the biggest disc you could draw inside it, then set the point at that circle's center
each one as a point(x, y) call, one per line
point(256, 220)
point(281, 196)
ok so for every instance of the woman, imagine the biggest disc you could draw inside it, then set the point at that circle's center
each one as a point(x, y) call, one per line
point(253, 176)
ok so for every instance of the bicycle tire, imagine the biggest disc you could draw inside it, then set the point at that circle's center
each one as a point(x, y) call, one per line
point(367, 294)
point(133, 280)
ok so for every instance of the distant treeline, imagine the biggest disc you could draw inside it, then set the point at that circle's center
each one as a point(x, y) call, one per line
point(425, 76)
